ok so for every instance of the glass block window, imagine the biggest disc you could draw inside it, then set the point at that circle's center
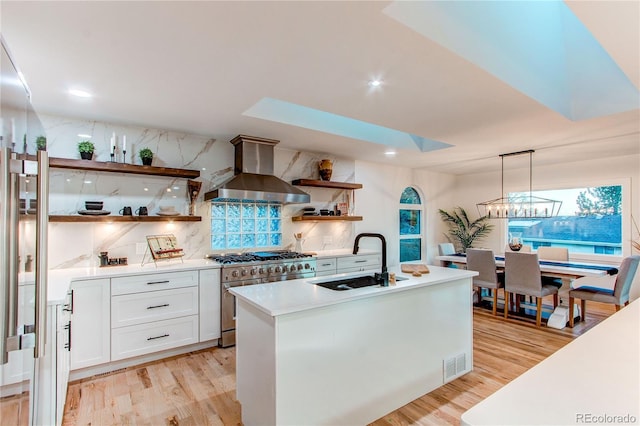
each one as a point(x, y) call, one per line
point(242, 225)
point(410, 225)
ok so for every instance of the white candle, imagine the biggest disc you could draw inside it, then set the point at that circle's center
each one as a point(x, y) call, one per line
point(113, 142)
point(124, 143)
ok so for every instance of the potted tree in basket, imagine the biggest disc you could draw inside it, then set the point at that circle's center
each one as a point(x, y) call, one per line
point(146, 156)
point(463, 232)
point(41, 143)
point(86, 150)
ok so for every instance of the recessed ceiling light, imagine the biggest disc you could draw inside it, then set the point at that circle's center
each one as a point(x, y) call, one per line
point(375, 83)
point(80, 93)
point(82, 135)
point(390, 153)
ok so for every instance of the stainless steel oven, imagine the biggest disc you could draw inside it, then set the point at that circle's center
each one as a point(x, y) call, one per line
point(255, 268)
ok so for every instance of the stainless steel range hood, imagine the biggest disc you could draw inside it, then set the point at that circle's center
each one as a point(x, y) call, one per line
point(254, 179)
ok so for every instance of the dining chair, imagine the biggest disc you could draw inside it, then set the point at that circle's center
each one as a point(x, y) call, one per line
point(523, 249)
point(559, 254)
point(523, 277)
point(587, 288)
point(445, 249)
point(484, 262)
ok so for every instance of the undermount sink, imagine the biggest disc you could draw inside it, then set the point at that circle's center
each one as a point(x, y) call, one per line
point(351, 283)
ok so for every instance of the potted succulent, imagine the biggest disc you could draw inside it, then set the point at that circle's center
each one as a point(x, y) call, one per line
point(86, 150)
point(146, 155)
point(41, 143)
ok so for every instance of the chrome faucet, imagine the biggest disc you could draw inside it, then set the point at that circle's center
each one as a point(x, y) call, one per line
point(383, 277)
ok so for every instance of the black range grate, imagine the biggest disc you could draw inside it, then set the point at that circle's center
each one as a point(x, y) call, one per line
point(226, 259)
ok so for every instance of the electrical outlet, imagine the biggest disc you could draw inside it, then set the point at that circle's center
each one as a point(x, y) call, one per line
point(327, 239)
point(140, 248)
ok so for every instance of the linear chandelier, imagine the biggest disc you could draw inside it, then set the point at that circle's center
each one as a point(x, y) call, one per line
point(519, 205)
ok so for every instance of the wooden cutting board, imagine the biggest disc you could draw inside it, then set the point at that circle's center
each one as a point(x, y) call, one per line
point(414, 267)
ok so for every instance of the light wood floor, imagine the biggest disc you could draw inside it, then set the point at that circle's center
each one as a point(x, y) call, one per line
point(199, 388)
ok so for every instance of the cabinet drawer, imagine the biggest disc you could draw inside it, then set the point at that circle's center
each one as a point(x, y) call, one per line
point(138, 308)
point(151, 282)
point(363, 262)
point(326, 265)
point(142, 339)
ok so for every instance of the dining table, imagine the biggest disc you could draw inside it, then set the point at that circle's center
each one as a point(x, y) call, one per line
point(567, 270)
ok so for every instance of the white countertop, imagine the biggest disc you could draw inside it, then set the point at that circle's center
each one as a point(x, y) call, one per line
point(60, 279)
point(285, 297)
point(597, 374)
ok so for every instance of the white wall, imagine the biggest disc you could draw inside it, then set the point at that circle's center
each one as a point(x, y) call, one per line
point(379, 200)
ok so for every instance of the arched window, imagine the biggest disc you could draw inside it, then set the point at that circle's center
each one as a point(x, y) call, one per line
point(410, 225)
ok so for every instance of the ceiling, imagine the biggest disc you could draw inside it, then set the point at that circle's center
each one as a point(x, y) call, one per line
point(197, 66)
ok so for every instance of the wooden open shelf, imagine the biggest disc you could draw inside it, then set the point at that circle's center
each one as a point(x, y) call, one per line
point(326, 184)
point(115, 218)
point(107, 166)
point(325, 218)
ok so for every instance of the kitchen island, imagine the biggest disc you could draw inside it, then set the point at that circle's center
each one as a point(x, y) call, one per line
point(310, 355)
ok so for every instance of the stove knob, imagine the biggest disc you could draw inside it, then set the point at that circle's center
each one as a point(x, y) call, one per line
point(278, 269)
point(293, 268)
point(307, 266)
point(299, 266)
point(234, 274)
point(244, 272)
point(253, 271)
point(261, 271)
point(269, 270)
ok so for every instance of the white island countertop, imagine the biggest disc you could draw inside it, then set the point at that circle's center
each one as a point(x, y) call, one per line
point(286, 297)
point(595, 379)
point(60, 279)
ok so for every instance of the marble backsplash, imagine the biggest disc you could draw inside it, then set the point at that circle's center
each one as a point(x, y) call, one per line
point(78, 244)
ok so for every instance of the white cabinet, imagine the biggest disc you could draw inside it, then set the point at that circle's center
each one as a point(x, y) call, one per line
point(130, 316)
point(358, 263)
point(153, 312)
point(145, 338)
point(90, 316)
point(354, 263)
point(326, 266)
point(209, 304)
point(131, 309)
point(153, 282)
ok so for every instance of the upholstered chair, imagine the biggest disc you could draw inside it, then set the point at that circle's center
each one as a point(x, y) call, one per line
point(587, 288)
point(484, 262)
point(523, 277)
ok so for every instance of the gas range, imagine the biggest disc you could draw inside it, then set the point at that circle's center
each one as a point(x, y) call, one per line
point(255, 268)
point(265, 266)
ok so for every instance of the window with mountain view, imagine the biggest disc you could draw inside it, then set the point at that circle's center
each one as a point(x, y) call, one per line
point(590, 221)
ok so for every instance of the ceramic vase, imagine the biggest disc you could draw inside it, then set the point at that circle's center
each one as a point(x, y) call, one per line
point(325, 167)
